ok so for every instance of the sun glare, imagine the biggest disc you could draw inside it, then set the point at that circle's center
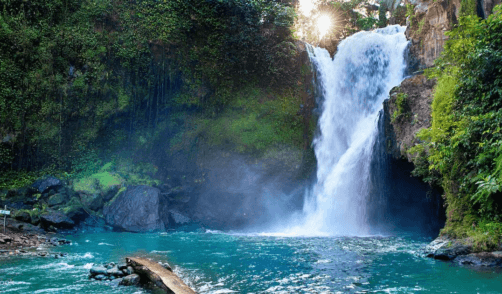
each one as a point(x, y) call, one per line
point(323, 24)
point(306, 6)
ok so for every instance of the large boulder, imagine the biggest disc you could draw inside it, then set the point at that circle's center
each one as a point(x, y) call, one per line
point(56, 219)
point(135, 210)
point(45, 184)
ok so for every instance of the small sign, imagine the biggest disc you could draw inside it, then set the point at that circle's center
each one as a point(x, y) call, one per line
point(6, 212)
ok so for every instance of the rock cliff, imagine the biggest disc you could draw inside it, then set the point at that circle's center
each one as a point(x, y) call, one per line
point(408, 114)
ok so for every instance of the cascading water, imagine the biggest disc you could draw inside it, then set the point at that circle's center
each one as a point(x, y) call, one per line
point(354, 85)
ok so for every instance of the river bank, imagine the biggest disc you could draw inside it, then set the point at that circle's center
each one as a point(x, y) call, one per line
point(214, 261)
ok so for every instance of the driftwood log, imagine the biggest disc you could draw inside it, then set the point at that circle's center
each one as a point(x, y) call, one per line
point(158, 275)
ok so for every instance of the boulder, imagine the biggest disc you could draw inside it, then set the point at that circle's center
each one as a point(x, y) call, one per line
point(57, 199)
point(135, 210)
point(444, 248)
point(35, 219)
point(484, 259)
point(47, 183)
point(451, 252)
point(5, 239)
point(56, 219)
point(76, 214)
point(130, 280)
point(23, 216)
point(98, 270)
point(114, 271)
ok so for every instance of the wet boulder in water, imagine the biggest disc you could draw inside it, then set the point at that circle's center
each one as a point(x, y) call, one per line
point(130, 280)
point(135, 210)
point(98, 270)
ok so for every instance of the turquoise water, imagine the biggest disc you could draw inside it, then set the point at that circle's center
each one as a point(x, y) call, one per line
point(215, 262)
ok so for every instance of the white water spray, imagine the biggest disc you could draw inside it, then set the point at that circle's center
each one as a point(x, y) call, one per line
point(354, 84)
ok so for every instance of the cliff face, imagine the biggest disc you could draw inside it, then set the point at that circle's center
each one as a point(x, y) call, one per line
point(415, 104)
point(431, 20)
point(427, 27)
point(426, 32)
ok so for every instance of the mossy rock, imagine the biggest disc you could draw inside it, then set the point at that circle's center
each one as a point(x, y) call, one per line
point(122, 190)
point(57, 199)
point(75, 210)
point(22, 215)
point(92, 201)
point(99, 183)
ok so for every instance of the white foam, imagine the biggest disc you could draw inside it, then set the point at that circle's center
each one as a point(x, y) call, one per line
point(107, 244)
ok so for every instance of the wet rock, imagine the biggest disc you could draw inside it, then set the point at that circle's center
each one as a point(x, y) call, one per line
point(166, 266)
point(100, 277)
point(55, 241)
point(178, 218)
point(444, 248)
point(483, 259)
point(114, 271)
point(56, 219)
point(135, 210)
point(451, 252)
point(128, 270)
point(43, 185)
point(130, 280)
point(122, 266)
point(116, 282)
point(98, 270)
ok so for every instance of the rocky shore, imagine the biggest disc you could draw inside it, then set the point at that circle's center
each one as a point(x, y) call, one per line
point(24, 239)
point(460, 252)
point(141, 272)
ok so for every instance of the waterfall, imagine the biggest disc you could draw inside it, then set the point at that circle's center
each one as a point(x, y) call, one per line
point(354, 85)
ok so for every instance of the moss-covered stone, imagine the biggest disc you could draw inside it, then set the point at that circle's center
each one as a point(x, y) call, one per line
point(92, 201)
point(75, 210)
point(57, 199)
point(101, 183)
point(22, 215)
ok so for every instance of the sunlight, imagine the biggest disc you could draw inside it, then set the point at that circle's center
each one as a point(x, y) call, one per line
point(306, 6)
point(323, 24)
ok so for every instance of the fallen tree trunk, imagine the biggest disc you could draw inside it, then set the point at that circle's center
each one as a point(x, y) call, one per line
point(159, 276)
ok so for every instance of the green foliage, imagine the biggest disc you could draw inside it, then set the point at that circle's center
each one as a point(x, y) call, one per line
point(97, 183)
point(402, 106)
point(382, 17)
point(468, 7)
point(464, 143)
point(410, 12)
point(366, 23)
point(399, 14)
point(254, 121)
point(421, 26)
point(78, 78)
